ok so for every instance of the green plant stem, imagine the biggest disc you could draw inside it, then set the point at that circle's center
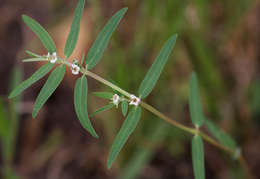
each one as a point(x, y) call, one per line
point(161, 115)
point(150, 108)
point(98, 78)
point(175, 123)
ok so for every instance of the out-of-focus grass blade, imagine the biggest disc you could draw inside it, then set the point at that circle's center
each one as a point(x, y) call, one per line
point(198, 157)
point(41, 72)
point(9, 143)
point(153, 74)
point(74, 30)
point(35, 59)
point(145, 154)
point(33, 54)
point(9, 173)
point(220, 135)
point(124, 107)
point(104, 108)
point(49, 87)
point(105, 95)
point(196, 112)
point(4, 122)
point(126, 130)
point(96, 51)
point(41, 33)
point(80, 104)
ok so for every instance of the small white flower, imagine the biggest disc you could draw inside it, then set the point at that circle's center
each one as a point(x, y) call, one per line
point(115, 99)
point(134, 100)
point(75, 69)
point(53, 57)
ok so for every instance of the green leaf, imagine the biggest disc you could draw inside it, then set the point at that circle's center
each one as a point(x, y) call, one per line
point(49, 87)
point(4, 122)
point(33, 54)
point(82, 59)
point(220, 135)
point(15, 80)
point(41, 72)
point(74, 29)
point(198, 157)
point(96, 51)
point(196, 112)
point(41, 33)
point(80, 104)
point(153, 74)
point(124, 107)
point(35, 59)
point(104, 108)
point(126, 130)
point(105, 95)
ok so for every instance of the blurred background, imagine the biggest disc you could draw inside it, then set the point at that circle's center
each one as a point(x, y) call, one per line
point(218, 39)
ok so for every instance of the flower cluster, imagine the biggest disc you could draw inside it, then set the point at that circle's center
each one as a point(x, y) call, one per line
point(75, 67)
point(133, 100)
point(52, 57)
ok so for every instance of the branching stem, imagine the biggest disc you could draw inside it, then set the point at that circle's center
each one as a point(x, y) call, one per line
point(175, 123)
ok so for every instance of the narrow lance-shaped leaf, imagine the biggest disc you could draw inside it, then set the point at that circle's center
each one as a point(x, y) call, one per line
point(126, 130)
point(198, 157)
point(196, 112)
point(221, 136)
point(124, 107)
point(35, 59)
point(48, 88)
point(97, 49)
point(41, 33)
point(41, 72)
point(74, 29)
point(82, 59)
point(105, 95)
point(154, 73)
point(104, 108)
point(80, 104)
point(33, 54)
point(16, 79)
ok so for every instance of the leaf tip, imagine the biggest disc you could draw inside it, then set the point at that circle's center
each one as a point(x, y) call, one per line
point(175, 36)
point(193, 75)
point(125, 9)
point(109, 163)
point(34, 114)
point(95, 135)
point(11, 95)
point(24, 17)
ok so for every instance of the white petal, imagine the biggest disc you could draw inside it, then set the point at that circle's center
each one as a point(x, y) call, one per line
point(115, 99)
point(134, 100)
point(75, 69)
point(53, 60)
